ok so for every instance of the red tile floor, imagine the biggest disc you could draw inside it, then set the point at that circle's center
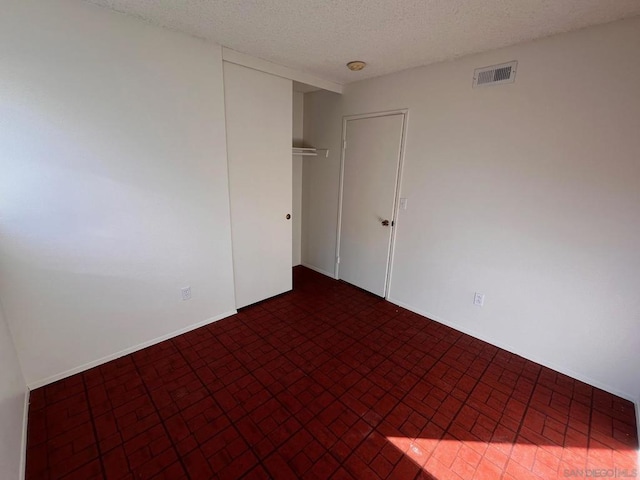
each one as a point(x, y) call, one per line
point(326, 382)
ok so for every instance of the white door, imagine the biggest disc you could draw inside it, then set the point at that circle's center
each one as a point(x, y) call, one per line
point(258, 116)
point(370, 176)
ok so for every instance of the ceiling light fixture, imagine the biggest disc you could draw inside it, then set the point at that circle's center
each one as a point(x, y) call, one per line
point(356, 65)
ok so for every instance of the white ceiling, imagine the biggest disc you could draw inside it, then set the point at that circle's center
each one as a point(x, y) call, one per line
point(320, 36)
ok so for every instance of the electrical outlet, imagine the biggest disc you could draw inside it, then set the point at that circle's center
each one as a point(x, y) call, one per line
point(186, 293)
point(478, 299)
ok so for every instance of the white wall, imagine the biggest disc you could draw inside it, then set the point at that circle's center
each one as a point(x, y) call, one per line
point(320, 180)
point(113, 190)
point(297, 117)
point(525, 192)
point(296, 210)
point(13, 392)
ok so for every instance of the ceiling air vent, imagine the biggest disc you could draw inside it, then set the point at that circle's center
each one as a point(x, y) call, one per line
point(495, 74)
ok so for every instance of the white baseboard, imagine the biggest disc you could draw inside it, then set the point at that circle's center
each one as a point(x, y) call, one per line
point(319, 270)
point(509, 348)
point(126, 351)
point(25, 424)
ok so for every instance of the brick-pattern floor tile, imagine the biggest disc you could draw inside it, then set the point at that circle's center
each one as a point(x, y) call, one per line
point(323, 382)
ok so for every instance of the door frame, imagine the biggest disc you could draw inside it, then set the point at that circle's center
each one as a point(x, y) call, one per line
point(398, 182)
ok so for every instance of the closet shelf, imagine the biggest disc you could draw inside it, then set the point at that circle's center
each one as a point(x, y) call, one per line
point(310, 151)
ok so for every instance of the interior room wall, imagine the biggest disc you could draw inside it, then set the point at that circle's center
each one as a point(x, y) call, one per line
point(298, 141)
point(525, 192)
point(320, 180)
point(114, 189)
point(13, 395)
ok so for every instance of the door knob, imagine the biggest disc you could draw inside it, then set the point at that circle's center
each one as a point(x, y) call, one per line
point(288, 216)
point(385, 223)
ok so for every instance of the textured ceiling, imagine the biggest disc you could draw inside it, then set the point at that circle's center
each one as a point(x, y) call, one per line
point(321, 36)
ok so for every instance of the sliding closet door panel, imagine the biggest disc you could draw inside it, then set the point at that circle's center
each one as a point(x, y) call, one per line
point(258, 114)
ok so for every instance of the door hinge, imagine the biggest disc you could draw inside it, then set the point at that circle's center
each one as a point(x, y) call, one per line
point(393, 223)
point(344, 145)
point(338, 260)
